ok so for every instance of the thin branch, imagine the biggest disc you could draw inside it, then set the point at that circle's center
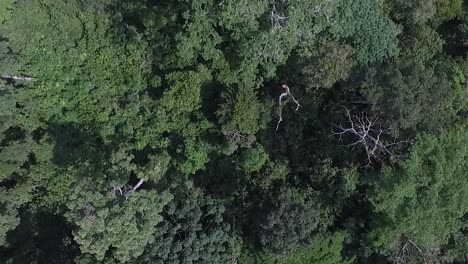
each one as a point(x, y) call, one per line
point(323, 9)
point(276, 19)
point(369, 135)
point(419, 249)
point(407, 249)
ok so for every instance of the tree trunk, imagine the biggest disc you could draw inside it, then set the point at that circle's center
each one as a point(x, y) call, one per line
point(140, 182)
point(17, 78)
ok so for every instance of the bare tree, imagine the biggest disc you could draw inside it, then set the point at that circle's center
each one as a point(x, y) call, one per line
point(233, 260)
point(323, 9)
point(409, 249)
point(288, 95)
point(236, 136)
point(239, 138)
point(277, 20)
point(369, 135)
point(17, 77)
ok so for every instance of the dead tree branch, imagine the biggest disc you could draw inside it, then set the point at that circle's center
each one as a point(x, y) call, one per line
point(322, 9)
point(236, 136)
point(370, 135)
point(17, 77)
point(134, 188)
point(117, 191)
point(408, 249)
point(361, 102)
point(288, 95)
point(277, 20)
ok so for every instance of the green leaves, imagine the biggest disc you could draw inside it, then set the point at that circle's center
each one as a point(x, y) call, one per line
point(425, 199)
point(11, 202)
point(5, 7)
point(123, 228)
point(324, 249)
point(288, 221)
point(331, 63)
point(82, 76)
point(254, 159)
point(409, 97)
point(195, 230)
point(373, 36)
point(183, 96)
point(148, 134)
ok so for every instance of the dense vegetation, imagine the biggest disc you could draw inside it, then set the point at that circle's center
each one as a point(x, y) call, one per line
point(203, 131)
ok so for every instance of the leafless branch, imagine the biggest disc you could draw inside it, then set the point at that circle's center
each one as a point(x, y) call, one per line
point(288, 95)
point(236, 136)
point(134, 188)
point(17, 77)
point(277, 20)
point(361, 102)
point(409, 248)
point(369, 135)
point(116, 189)
point(322, 9)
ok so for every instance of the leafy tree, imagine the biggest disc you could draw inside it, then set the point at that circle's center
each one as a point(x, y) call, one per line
point(11, 202)
point(288, 221)
point(332, 62)
point(408, 97)
point(423, 199)
point(5, 6)
point(254, 159)
point(195, 229)
point(123, 229)
point(326, 249)
point(81, 75)
point(413, 11)
point(447, 10)
point(241, 112)
point(373, 35)
point(423, 44)
point(20, 152)
point(144, 131)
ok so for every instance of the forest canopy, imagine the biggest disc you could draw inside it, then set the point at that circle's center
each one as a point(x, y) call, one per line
point(203, 131)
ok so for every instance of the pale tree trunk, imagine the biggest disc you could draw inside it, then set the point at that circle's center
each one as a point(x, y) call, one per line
point(287, 93)
point(134, 188)
point(17, 77)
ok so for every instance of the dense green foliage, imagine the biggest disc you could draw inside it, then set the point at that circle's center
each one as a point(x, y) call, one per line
point(276, 132)
point(424, 199)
